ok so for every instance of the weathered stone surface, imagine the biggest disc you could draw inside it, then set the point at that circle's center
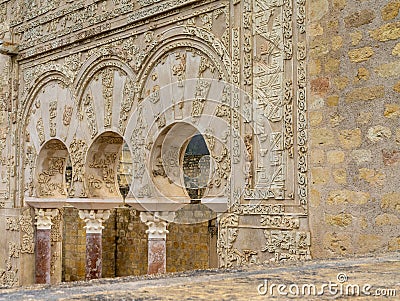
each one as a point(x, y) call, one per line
point(340, 175)
point(315, 118)
point(387, 32)
point(356, 37)
point(318, 9)
point(394, 244)
point(337, 43)
point(337, 197)
point(359, 18)
point(341, 82)
point(360, 54)
point(335, 156)
point(390, 10)
point(361, 155)
point(373, 177)
point(350, 138)
point(339, 4)
point(387, 219)
point(362, 74)
point(366, 93)
point(316, 29)
point(396, 50)
point(391, 201)
point(332, 100)
point(391, 157)
point(319, 175)
point(332, 65)
point(317, 156)
point(322, 137)
point(338, 243)
point(391, 69)
point(320, 85)
point(369, 243)
point(378, 133)
point(396, 87)
point(315, 198)
point(314, 68)
point(392, 110)
point(341, 220)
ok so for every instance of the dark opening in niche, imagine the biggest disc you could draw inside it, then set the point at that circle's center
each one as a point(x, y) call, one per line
point(196, 167)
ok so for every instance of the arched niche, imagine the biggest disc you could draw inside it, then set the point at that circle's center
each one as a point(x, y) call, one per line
point(50, 180)
point(102, 165)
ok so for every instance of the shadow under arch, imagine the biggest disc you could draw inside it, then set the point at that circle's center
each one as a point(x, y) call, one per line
point(102, 166)
point(50, 182)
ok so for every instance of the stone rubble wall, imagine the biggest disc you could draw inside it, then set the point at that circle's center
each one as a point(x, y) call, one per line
point(125, 245)
point(354, 111)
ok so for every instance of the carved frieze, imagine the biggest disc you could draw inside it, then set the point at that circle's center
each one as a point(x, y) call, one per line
point(88, 108)
point(287, 245)
point(27, 231)
point(107, 77)
point(40, 130)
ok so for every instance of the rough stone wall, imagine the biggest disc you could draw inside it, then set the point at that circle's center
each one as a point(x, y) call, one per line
point(125, 244)
point(354, 110)
point(74, 246)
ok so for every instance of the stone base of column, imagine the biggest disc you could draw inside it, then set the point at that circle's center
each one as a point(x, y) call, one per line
point(157, 254)
point(43, 256)
point(93, 256)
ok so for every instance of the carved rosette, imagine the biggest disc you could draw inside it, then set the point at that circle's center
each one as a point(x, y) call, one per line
point(157, 223)
point(43, 218)
point(94, 219)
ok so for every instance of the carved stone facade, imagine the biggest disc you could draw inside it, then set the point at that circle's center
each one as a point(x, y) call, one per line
point(91, 79)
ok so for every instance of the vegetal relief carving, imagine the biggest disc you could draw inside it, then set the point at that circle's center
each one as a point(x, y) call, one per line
point(48, 180)
point(104, 162)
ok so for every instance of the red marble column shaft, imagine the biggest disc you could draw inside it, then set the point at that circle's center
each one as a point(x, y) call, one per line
point(157, 256)
point(93, 256)
point(43, 256)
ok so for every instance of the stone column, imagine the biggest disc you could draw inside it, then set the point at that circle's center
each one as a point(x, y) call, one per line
point(157, 234)
point(43, 244)
point(94, 220)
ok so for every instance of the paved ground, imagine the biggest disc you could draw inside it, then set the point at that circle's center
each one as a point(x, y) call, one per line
point(368, 278)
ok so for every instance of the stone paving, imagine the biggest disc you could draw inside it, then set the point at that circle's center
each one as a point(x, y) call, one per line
point(365, 278)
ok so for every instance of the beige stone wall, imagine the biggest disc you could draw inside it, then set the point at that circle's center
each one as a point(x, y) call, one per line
point(125, 245)
point(354, 110)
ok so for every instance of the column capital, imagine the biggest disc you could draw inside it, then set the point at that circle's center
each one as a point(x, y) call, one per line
point(43, 218)
point(94, 219)
point(157, 223)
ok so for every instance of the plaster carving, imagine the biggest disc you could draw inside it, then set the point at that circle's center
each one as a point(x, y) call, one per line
point(13, 249)
point(43, 218)
point(78, 149)
point(287, 245)
point(9, 276)
point(107, 77)
point(47, 187)
point(157, 223)
point(94, 219)
point(279, 222)
point(40, 130)
point(90, 114)
point(258, 53)
point(27, 231)
point(12, 223)
point(52, 116)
